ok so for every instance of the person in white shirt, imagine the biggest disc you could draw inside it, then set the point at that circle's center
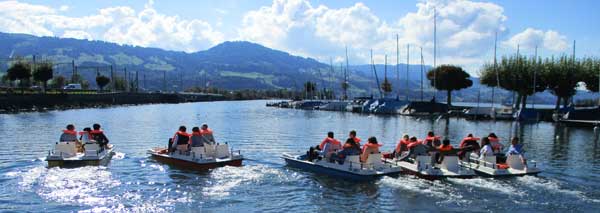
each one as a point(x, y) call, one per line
point(486, 148)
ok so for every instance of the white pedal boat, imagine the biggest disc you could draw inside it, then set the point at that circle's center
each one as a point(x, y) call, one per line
point(199, 158)
point(422, 167)
point(488, 166)
point(65, 154)
point(351, 169)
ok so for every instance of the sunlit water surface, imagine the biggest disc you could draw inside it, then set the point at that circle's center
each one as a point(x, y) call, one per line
point(570, 158)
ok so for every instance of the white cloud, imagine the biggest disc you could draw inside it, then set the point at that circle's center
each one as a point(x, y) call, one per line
point(63, 8)
point(530, 38)
point(465, 30)
point(122, 25)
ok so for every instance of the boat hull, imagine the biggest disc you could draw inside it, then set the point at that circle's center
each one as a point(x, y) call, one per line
point(102, 160)
point(180, 163)
point(346, 175)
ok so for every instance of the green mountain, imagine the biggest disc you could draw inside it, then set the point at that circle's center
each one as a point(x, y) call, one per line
point(231, 65)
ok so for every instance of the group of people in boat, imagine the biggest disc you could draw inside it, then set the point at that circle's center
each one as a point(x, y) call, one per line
point(89, 135)
point(184, 141)
point(409, 147)
point(332, 149)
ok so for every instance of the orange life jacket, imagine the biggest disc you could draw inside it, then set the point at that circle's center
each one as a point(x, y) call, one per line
point(401, 143)
point(464, 140)
point(371, 145)
point(445, 148)
point(207, 131)
point(356, 140)
point(333, 141)
point(70, 132)
point(96, 132)
point(414, 143)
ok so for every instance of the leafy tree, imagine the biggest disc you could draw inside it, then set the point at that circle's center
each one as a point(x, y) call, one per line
point(42, 73)
point(345, 86)
point(449, 78)
point(20, 70)
point(102, 81)
point(516, 74)
point(591, 73)
point(563, 75)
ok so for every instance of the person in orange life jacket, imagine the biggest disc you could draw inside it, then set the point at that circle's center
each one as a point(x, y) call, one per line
point(181, 139)
point(415, 147)
point(371, 147)
point(197, 139)
point(402, 146)
point(432, 140)
point(349, 148)
point(98, 135)
point(352, 135)
point(329, 145)
point(314, 152)
point(69, 134)
point(207, 134)
point(444, 149)
point(468, 144)
point(85, 136)
point(497, 147)
point(495, 143)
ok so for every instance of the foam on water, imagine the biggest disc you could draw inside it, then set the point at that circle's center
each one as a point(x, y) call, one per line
point(553, 186)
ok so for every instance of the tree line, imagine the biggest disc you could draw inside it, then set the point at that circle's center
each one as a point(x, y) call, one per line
point(526, 76)
point(22, 74)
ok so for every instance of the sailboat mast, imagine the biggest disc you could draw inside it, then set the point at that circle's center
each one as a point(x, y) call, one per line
point(534, 80)
point(375, 72)
point(495, 71)
point(434, 52)
point(397, 67)
point(422, 64)
point(407, 68)
point(347, 72)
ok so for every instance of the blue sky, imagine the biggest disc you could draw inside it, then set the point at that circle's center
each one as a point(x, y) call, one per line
point(321, 29)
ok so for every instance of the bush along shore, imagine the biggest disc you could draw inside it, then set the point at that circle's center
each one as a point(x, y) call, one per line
point(23, 102)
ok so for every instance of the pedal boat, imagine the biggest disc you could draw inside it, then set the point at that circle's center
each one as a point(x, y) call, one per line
point(199, 158)
point(351, 169)
point(422, 167)
point(66, 154)
point(489, 168)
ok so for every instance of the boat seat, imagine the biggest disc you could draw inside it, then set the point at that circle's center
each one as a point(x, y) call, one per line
point(210, 150)
point(514, 162)
point(423, 161)
point(92, 146)
point(374, 160)
point(353, 161)
point(66, 148)
point(199, 152)
point(450, 163)
point(222, 151)
point(489, 161)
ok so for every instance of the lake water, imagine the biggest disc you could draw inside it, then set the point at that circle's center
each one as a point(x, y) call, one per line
point(570, 158)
